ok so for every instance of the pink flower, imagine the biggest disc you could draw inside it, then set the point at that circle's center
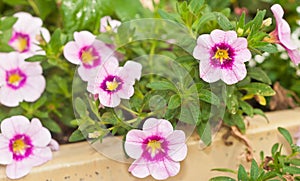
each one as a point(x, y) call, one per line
point(88, 52)
point(108, 24)
point(27, 35)
point(157, 149)
point(222, 55)
point(23, 145)
point(19, 80)
point(114, 83)
point(282, 35)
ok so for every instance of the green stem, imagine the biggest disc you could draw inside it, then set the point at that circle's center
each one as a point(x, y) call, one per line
point(34, 7)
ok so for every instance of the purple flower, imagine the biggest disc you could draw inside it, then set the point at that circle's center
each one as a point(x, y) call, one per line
point(27, 35)
point(282, 35)
point(88, 52)
point(114, 83)
point(23, 145)
point(157, 149)
point(108, 24)
point(222, 55)
point(19, 80)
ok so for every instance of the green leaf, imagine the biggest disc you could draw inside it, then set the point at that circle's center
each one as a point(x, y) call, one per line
point(15, 2)
point(254, 171)
point(174, 102)
point(247, 108)
point(224, 170)
point(195, 6)
point(36, 58)
point(266, 47)
point(291, 170)
point(242, 174)
point(55, 43)
point(7, 23)
point(40, 102)
point(198, 24)
point(238, 120)
point(260, 112)
point(80, 107)
point(274, 148)
point(51, 125)
point(224, 22)
point(222, 178)
point(258, 74)
point(241, 22)
point(209, 97)
point(169, 16)
point(295, 161)
point(257, 88)
point(76, 136)
point(162, 85)
point(204, 131)
point(43, 7)
point(269, 175)
point(285, 133)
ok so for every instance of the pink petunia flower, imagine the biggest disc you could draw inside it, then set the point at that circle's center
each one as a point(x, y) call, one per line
point(108, 24)
point(157, 149)
point(114, 83)
point(28, 34)
point(88, 52)
point(23, 145)
point(19, 80)
point(222, 55)
point(282, 35)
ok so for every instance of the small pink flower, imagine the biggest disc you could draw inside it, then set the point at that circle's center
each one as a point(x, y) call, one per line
point(23, 145)
point(108, 24)
point(222, 55)
point(88, 52)
point(157, 149)
point(19, 80)
point(282, 35)
point(114, 83)
point(27, 35)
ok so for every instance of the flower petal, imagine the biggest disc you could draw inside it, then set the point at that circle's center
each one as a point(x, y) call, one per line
point(53, 145)
point(6, 155)
point(202, 49)
point(126, 91)
point(163, 169)
point(109, 100)
point(219, 36)
point(237, 73)
point(71, 52)
point(87, 74)
point(39, 135)
point(160, 127)
point(208, 72)
point(9, 97)
point(172, 167)
point(39, 156)
point(17, 170)
point(294, 56)
point(139, 168)
point(243, 55)
point(176, 145)
point(31, 68)
point(84, 38)
point(134, 142)
point(14, 125)
point(130, 72)
point(34, 88)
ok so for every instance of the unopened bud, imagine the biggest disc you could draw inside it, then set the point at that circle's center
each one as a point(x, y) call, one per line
point(267, 22)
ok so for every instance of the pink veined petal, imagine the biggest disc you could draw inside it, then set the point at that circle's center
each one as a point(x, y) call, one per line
point(24, 19)
point(104, 51)
point(94, 82)
point(239, 44)
point(6, 156)
point(111, 66)
point(10, 97)
point(219, 36)
point(237, 73)
point(13, 62)
point(160, 127)
point(14, 125)
point(126, 91)
point(243, 55)
point(71, 52)
point(31, 68)
point(130, 72)
point(134, 142)
point(114, 25)
point(87, 74)
point(209, 73)
point(84, 38)
point(19, 169)
point(139, 168)
point(109, 100)
point(294, 56)
point(104, 23)
point(39, 156)
point(202, 49)
point(277, 11)
point(159, 171)
point(45, 33)
point(39, 135)
point(172, 167)
point(176, 144)
point(34, 88)
point(53, 145)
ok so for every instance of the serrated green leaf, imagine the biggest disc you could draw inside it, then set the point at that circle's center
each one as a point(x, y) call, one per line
point(209, 97)
point(174, 102)
point(222, 178)
point(257, 88)
point(285, 133)
point(242, 174)
point(76, 136)
point(258, 74)
point(36, 58)
point(162, 85)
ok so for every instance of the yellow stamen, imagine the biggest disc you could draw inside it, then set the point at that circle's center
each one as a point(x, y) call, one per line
point(14, 79)
point(154, 146)
point(19, 146)
point(22, 44)
point(222, 54)
point(111, 86)
point(87, 57)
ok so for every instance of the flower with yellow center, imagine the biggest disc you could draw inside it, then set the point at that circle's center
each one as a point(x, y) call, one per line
point(87, 56)
point(222, 55)
point(19, 146)
point(112, 85)
point(22, 44)
point(154, 146)
point(14, 79)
